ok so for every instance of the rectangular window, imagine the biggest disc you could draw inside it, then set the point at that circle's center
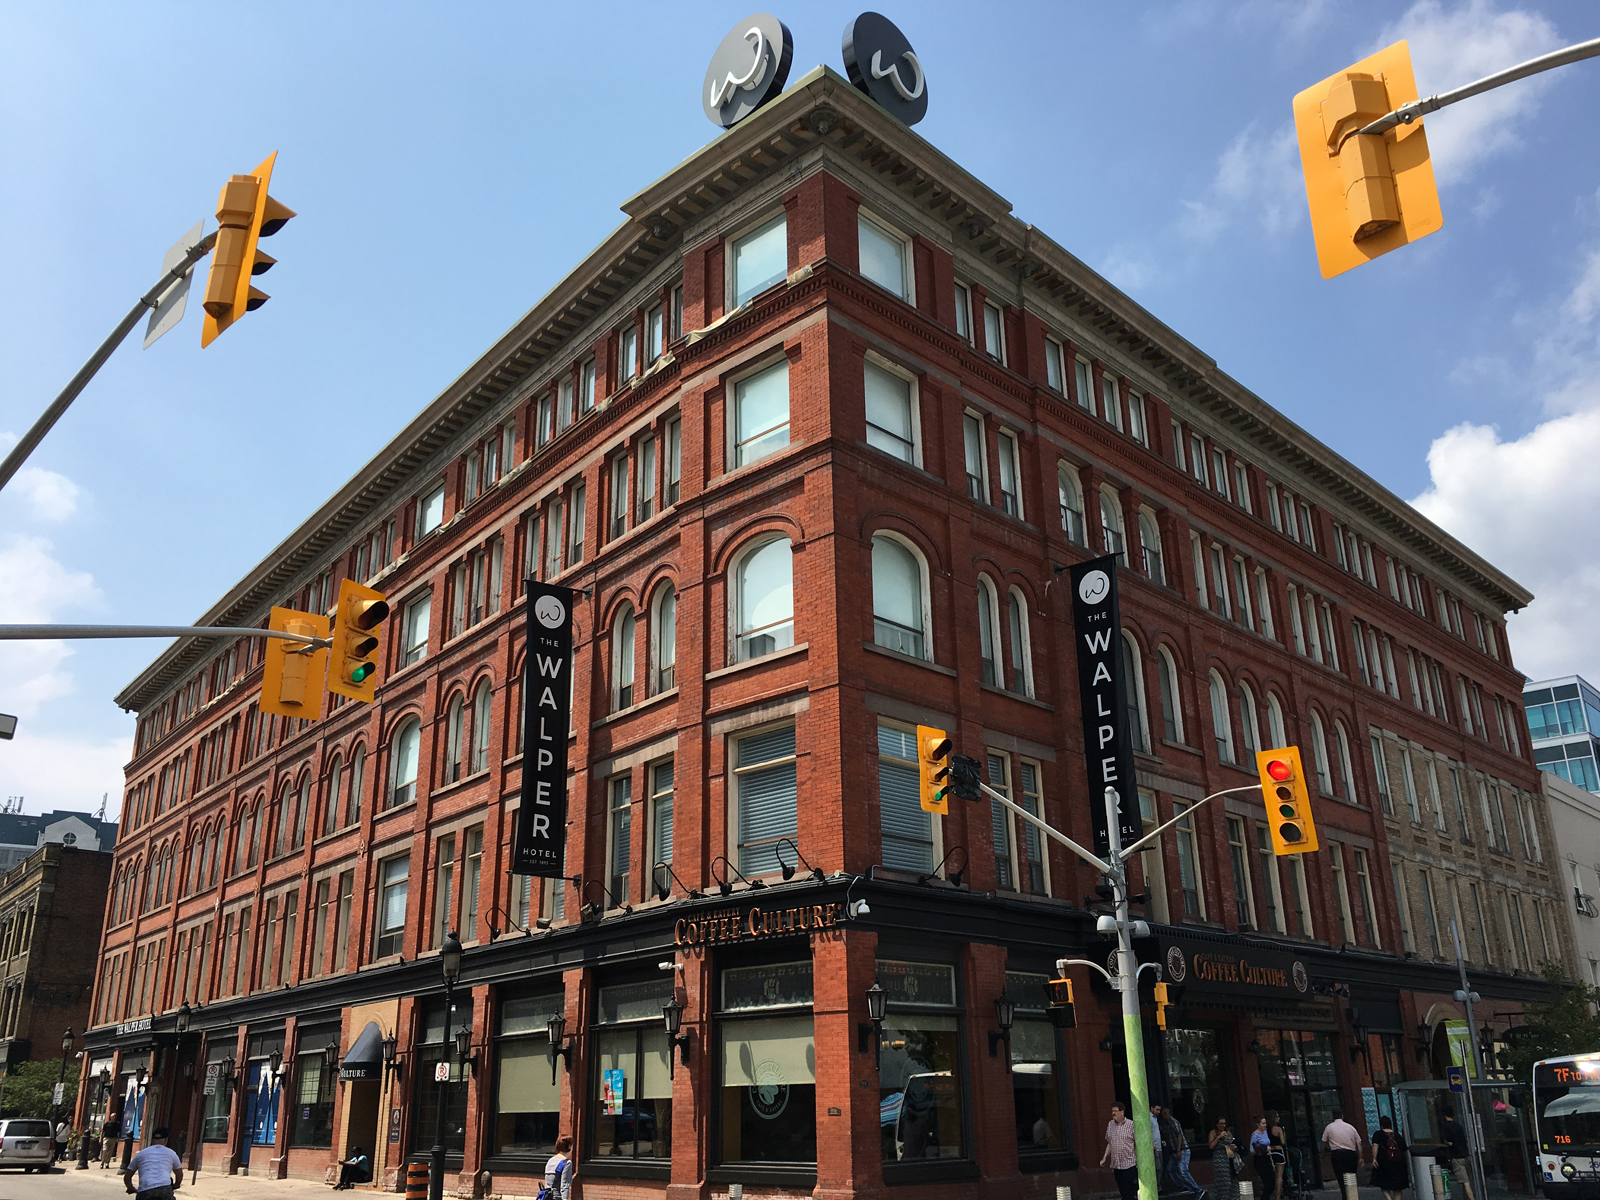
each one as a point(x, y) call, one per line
point(661, 822)
point(1219, 582)
point(883, 257)
point(994, 338)
point(907, 830)
point(391, 906)
point(575, 549)
point(677, 311)
point(761, 414)
point(1194, 904)
point(760, 259)
point(341, 922)
point(1005, 850)
point(1369, 907)
point(564, 406)
point(764, 785)
point(627, 354)
point(1197, 459)
point(1239, 857)
point(1429, 917)
point(1241, 486)
point(964, 311)
point(1264, 603)
point(647, 479)
point(319, 927)
point(1341, 888)
point(1308, 527)
point(674, 467)
point(1274, 511)
point(444, 872)
point(1083, 375)
point(555, 536)
point(1402, 905)
point(1177, 446)
point(430, 510)
point(1409, 779)
point(1198, 558)
point(586, 396)
point(1295, 622)
point(976, 460)
point(1110, 401)
point(416, 629)
point(1301, 898)
point(652, 333)
point(889, 403)
point(1010, 484)
point(1034, 866)
point(1137, 429)
point(1054, 369)
point(619, 830)
point(619, 495)
point(1219, 473)
point(545, 429)
point(1380, 767)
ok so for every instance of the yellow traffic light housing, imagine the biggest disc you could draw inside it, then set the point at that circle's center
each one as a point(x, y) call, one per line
point(1062, 1013)
point(933, 769)
point(1162, 1004)
point(357, 641)
point(245, 214)
point(1283, 787)
point(1368, 193)
point(292, 676)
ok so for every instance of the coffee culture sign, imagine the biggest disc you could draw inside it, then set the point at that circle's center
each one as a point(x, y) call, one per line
point(732, 925)
point(1249, 972)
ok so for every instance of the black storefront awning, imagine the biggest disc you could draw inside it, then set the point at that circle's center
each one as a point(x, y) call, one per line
point(365, 1060)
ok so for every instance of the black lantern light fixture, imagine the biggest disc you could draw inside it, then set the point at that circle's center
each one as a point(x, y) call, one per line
point(560, 1046)
point(228, 1065)
point(390, 1054)
point(951, 875)
point(330, 1055)
point(1005, 1015)
point(140, 1076)
point(661, 873)
point(464, 1053)
point(867, 1035)
point(725, 885)
point(181, 1021)
point(274, 1066)
point(1424, 1041)
point(672, 1015)
point(788, 870)
point(450, 968)
point(105, 1077)
point(593, 908)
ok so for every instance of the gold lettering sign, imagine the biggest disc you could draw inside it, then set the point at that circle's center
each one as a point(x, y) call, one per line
point(730, 925)
point(1215, 968)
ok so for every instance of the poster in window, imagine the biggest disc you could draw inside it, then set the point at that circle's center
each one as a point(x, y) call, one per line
point(613, 1089)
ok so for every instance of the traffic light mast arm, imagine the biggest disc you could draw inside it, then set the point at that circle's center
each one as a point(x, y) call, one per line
point(1129, 851)
point(1049, 830)
point(1408, 113)
point(35, 435)
point(23, 633)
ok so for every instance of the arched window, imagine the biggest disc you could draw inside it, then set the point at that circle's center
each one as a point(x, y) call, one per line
point(280, 827)
point(1021, 647)
point(898, 620)
point(172, 864)
point(403, 762)
point(1133, 671)
point(213, 859)
point(1248, 721)
point(1221, 725)
point(481, 702)
point(1171, 709)
point(455, 734)
point(1275, 723)
point(258, 831)
point(1347, 773)
point(764, 600)
point(1150, 543)
point(988, 633)
point(192, 877)
point(358, 774)
point(1069, 490)
point(1319, 752)
point(302, 811)
point(241, 845)
point(1111, 522)
point(622, 651)
point(664, 641)
point(330, 815)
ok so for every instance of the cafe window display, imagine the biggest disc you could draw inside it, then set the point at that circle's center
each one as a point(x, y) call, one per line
point(632, 1087)
point(436, 1044)
point(527, 1104)
point(769, 1065)
point(315, 1083)
point(1201, 1077)
point(1037, 1071)
point(920, 1070)
point(1299, 1081)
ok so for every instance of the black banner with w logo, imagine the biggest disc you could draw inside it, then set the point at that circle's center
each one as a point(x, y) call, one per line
point(540, 843)
point(1103, 691)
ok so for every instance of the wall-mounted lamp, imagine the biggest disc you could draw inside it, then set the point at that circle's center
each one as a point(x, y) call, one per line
point(663, 888)
point(1005, 1014)
point(228, 1066)
point(858, 909)
point(592, 908)
point(787, 869)
point(1424, 1041)
point(274, 1065)
point(391, 1054)
point(672, 1014)
point(181, 1021)
point(542, 923)
point(1255, 1046)
point(559, 1044)
point(105, 1077)
point(464, 1054)
point(1105, 1044)
point(868, 1035)
point(953, 876)
point(330, 1055)
point(140, 1076)
point(725, 885)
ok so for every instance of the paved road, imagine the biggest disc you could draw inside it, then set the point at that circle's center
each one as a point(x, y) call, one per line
point(95, 1184)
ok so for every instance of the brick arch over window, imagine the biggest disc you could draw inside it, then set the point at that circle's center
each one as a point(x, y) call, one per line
point(759, 528)
point(887, 520)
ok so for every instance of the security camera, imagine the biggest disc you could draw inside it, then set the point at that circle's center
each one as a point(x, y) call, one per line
point(1141, 929)
point(859, 908)
point(1106, 924)
point(670, 966)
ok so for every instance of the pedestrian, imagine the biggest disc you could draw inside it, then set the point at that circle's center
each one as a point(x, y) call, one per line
point(1225, 1161)
point(1261, 1154)
point(1389, 1160)
point(1343, 1141)
point(1180, 1140)
point(558, 1171)
point(160, 1171)
point(108, 1140)
point(1459, 1164)
point(1166, 1147)
point(1120, 1154)
point(63, 1135)
point(1277, 1150)
point(353, 1170)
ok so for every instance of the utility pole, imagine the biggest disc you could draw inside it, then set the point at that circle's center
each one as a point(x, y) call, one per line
point(1466, 996)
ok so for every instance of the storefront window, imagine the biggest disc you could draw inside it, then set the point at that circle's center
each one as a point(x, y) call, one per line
point(632, 1087)
point(1201, 1085)
point(313, 1100)
point(920, 1071)
point(217, 1092)
point(1036, 1069)
point(1300, 1083)
point(436, 1045)
point(769, 1065)
point(527, 1104)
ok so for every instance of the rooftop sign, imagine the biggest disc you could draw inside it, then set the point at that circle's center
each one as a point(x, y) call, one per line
point(882, 64)
point(749, 68)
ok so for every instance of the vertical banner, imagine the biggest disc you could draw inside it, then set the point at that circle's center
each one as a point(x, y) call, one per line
point(540, 842)
point(1103, 697)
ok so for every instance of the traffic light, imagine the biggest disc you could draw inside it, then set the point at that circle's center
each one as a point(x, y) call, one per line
point(1062, 1013)
point(1368, 193)
point(292, 677)
point(965, 776)
point(933, 769)
point(1283, 787)
point(1162, 1004)
point(357, 623)
point(245, 214)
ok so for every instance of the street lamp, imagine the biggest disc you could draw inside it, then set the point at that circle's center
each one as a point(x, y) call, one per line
point(61, 1080)
point(1005, 1012)
point(672, 1014)
point(330, 1055)
point(876, 999)
point(181, 1021)
point(450, 965)
point(556, 1030)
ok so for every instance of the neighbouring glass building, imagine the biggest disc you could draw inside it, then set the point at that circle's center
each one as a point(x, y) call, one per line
point(1564, 725)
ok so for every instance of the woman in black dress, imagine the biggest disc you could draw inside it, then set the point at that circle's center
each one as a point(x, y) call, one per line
point(1389, 1160)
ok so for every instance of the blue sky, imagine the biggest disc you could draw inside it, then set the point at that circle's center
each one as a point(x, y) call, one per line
point(450, 164)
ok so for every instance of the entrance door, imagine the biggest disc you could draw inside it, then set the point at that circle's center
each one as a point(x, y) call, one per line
point(1299, 1082)
point(361, 1103)
point(260, 1111)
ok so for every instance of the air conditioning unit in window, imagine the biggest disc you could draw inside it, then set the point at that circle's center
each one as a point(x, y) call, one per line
point(1586, 904)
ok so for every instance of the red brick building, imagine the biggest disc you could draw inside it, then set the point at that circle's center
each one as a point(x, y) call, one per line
point(816, 431)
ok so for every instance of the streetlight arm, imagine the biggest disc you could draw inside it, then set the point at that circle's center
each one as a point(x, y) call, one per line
point(1129, 851)
point(1063, 963)
point(1408, 113)
point(26, 633)
point(1050, 831)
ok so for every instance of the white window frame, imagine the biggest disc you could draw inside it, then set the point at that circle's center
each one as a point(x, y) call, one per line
point(737, 635)
point(1055, 365)
point(430, 498)
point(1069, 487)
point(411, 650)
point(963, 295)
point(989, 601)
point(624, 654)
point(1111, 399)
point(1011, 501)
point(913, 401)
point(736, 433)
point(1017, 603)
point(659, 648)
point(925, 609)
point(1083, 382)
point(908, 281)
point(749, 230)
point(1167, 678)
point(1000, 329)
point(1221, 718)
point(970, 415)
point(1150, 546)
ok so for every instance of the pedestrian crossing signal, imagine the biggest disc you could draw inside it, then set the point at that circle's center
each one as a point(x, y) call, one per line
point(1063, 1015)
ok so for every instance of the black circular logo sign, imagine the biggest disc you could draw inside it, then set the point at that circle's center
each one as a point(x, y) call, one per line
point(748, 69)
point(1177, 965)
point(882, 64)
point(1302, 981)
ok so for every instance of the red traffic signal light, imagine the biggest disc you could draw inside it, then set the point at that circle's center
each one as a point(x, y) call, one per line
point(1283, 788)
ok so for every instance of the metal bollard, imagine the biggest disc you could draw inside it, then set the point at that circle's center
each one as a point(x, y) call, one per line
point(1351, 1190)
point(1439, 1192)
point(1247, 1190)
point(1063, 1193)
point(736, 1191)
point(417, 1181)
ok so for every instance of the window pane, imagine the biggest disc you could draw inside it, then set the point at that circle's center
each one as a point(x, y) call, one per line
point(766, 600)
point(896, 597)
point(766, 798)
point(760, 259)
point(993, 339)
point(762, 414)
point(883, 257)
point(888, 407)
point(769, 1092)
point(919, 1087)
point(907, 830)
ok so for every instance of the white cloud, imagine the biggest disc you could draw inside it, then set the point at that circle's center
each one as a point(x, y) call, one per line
point(1258, 182)
point(50, 496)
point(34, 588)
point(1450, 47)
point(1129, 269)
point(52, 772)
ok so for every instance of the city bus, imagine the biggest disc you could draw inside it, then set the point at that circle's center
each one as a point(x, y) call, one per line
point(1566, 1124)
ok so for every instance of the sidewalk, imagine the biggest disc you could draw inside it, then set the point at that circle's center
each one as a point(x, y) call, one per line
point(95, 1184)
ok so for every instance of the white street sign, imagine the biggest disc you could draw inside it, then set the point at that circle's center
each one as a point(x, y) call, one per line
point(169, 309)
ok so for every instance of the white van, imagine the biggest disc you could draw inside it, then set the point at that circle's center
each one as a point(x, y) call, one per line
point(26, 1143)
